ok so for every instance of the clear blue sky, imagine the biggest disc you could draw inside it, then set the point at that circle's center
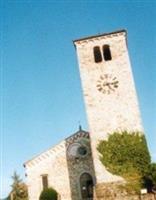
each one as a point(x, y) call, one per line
point(42, 97)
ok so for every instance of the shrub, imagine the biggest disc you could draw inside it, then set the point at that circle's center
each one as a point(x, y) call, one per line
point(149, 180)
point(48, 194)
point(19, 189)
point(126, 154)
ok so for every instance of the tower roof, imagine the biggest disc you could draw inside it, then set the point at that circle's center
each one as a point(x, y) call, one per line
point(100, 35)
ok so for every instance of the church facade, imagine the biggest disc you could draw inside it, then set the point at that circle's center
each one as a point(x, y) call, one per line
point(66, 167)
point(73, 167)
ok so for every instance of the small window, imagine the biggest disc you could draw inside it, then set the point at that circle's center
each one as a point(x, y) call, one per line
point(97, 54)
point(45, 181)
point(107, 53)
point(82, 151)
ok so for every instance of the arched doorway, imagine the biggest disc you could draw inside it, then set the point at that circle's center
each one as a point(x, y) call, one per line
point(86, 186)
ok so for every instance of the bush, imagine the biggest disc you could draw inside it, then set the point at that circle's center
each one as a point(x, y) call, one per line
point(152, 173)
point(149, 180)
point(19, 189)
point(48, 194)
point(126, 154)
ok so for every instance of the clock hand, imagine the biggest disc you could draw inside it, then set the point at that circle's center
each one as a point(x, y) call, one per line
point(105, 84)
point(110, 88)
point(114, 83)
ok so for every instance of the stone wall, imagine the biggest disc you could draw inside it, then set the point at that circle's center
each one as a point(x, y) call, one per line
point(112, 191)
point(78, 166)
point(53, 163)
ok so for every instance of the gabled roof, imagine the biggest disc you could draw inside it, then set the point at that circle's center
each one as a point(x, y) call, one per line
point(57, 148)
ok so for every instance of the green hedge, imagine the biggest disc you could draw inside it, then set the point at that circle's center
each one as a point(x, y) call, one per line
point(149, 180)
point(48, 194)
point(126, 154)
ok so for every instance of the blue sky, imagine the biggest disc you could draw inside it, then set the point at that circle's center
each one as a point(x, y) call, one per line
point(42, 100)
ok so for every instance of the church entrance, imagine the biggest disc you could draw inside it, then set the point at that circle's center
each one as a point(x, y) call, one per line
point(86, 185)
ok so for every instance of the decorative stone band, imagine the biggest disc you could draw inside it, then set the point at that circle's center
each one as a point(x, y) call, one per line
point(99, 37)
point(52, 152)
point(76, 136)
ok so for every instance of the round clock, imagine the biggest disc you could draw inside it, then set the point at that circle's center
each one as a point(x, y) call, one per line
point(107, 84)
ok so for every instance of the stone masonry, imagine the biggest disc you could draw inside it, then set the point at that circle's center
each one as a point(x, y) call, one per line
point(63, 171)
point(52, 163)
point(114, 110)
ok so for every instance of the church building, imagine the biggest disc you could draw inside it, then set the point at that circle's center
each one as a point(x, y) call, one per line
point(73, 167)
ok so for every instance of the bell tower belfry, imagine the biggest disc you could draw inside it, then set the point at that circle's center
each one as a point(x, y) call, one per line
point(109, 91)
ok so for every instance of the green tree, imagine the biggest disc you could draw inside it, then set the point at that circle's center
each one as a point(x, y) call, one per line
point(19, 188)
point(126, 154)
point(149, 180)
point(152, 173)
point(48, 194)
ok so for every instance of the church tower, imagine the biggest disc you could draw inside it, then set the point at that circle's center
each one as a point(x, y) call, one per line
point(109, 91)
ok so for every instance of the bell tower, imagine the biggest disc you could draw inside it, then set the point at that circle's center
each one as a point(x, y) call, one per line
point(109, 91)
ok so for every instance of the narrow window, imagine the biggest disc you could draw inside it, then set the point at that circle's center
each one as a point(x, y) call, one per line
point(45, 181)
point(107, 53)
point(97, 54)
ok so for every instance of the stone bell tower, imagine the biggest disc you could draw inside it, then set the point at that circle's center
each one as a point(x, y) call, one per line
point(109, 91)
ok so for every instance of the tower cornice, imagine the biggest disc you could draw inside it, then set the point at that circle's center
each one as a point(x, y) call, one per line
point(106, 35)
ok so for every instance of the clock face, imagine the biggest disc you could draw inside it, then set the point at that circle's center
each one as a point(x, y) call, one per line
point(107, 84)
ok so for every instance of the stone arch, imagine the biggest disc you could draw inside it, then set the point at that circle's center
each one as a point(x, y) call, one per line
point(86, 183)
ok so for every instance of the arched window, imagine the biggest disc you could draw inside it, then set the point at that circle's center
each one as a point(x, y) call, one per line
point(107, 53)
point(97, 54)
point(86, 185)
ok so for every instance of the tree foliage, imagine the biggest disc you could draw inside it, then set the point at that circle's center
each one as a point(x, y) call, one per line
point(48, 194)
point(149, 180)
point(19, 188)
point(126, 154)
